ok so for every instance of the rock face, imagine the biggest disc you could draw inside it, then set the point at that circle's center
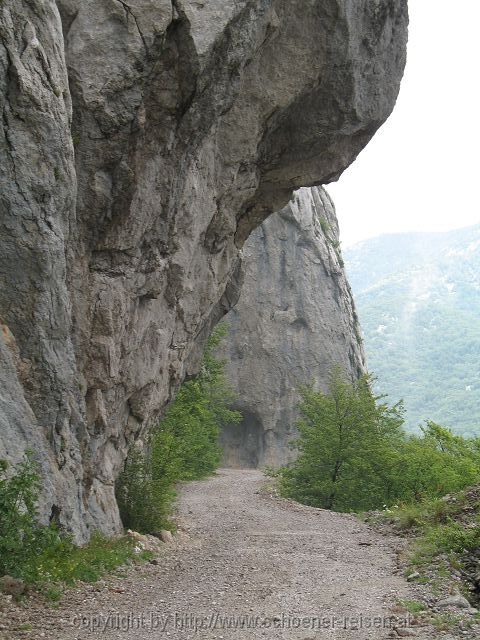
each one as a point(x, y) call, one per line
point(141, 143)
point(295, 320)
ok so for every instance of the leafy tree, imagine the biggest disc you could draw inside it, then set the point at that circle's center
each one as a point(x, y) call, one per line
point(346, 446)
point(355, 455)
point(22, 538)
point(183, 446)
point(145, 489)
point(436, 463)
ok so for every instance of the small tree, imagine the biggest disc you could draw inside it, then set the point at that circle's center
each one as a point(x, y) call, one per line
point(22, 538)
point(194, 419)
point(436, 462)
point(183, 446)
point(145, 489)
point(347, 447)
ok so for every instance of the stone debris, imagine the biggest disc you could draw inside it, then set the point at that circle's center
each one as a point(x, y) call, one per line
point(12, 586)
point(456, 601)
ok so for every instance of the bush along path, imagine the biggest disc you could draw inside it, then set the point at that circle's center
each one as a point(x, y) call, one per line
point(183, 446)
point(246, 564)
point(443, 551)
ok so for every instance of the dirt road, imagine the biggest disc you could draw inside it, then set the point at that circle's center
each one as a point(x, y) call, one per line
point(254, 566)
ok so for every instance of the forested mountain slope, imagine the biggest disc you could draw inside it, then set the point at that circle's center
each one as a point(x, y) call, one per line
point(418, 297)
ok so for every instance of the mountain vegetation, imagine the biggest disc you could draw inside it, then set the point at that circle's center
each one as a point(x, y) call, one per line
point(44, 555)
point(354, 454)
point(418, 298)
point(183, 446)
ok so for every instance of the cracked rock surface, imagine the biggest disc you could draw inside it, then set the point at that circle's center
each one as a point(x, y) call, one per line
point(142, 141)
point(294, 322)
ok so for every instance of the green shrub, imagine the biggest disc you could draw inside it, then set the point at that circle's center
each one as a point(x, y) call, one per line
point(67, 563)
point(355, 455)
point(272, 472)
point(42, 555)
point(436, 463)
point(409, 516)
point(326, 228)
point(446, 531)
point(21, 537)
point(183, 446)
point(145, 489)
point(415, 515)
point(412, 606)
point(451, 538)
point(347, 447)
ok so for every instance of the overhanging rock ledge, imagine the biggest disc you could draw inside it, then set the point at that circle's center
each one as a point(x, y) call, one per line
point(142, 141)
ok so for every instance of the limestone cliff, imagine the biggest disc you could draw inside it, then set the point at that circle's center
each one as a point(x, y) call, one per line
point(295, 320)
point(142, 141)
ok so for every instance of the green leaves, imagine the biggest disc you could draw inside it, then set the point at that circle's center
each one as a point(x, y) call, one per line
point(196, 416)
point(436, 463)
point(355, 455)
point(145, 490)
point(344, 437)
point(183, 446)
point(20, 534)
point(40, 554)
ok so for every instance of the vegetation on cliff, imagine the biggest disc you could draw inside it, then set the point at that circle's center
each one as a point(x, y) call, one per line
point(45, 555)
point(354, 454)
point(183, 446)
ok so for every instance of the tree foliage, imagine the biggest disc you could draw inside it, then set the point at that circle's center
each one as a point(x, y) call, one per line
point(355, 455)
point(21, 537)
point(183, 446)
point(436, 462)
point(189, 432)
point(43, 554)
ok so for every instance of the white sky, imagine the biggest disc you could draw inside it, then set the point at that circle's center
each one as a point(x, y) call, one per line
point(421, 170)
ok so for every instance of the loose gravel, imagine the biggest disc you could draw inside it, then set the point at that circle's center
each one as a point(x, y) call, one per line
point(245, 564)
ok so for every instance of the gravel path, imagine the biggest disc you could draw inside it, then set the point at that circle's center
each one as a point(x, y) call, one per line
point(280, 569)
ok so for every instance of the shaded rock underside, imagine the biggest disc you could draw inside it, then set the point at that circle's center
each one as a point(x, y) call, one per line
point(141, 143)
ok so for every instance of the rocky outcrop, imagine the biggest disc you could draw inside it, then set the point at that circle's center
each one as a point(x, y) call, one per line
point(294, 322)
point(141, 142)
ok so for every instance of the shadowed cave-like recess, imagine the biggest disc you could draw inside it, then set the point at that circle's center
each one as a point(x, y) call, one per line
point(244, 443)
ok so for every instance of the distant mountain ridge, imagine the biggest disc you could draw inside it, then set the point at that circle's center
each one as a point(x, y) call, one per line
point(418, 298)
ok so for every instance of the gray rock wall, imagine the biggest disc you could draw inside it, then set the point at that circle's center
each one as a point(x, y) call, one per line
point(141, 143)
point(295, 320)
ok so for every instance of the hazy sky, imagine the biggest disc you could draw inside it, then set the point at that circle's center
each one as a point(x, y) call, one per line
point(421, 170)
